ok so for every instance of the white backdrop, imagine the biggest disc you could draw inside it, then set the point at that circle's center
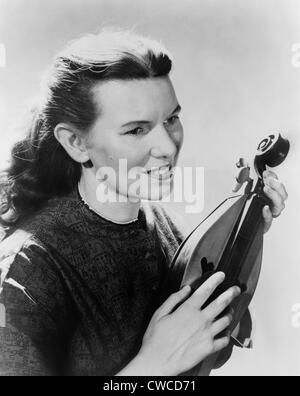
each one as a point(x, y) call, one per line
point(237, 78)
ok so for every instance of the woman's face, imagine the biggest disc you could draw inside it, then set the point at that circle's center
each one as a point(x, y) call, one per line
point(138, 122)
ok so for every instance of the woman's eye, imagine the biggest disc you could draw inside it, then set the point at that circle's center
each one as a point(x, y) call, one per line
point(135, 131)
point(172, 120)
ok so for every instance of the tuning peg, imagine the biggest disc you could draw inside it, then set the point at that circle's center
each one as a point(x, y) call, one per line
point(243, 175)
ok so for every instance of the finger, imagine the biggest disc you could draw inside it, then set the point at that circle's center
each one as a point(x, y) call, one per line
point(219, 304)
point(221, 324)
point(277, 186)
point(277, 201)
point(203, 292)
point(268, 173)
point(220, 344)
point(268, 218)
point(172, 302)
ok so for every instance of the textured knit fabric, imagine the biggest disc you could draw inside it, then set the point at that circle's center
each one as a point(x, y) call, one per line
point(79, 291)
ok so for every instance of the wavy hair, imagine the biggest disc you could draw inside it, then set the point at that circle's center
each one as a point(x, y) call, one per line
point(39, 167)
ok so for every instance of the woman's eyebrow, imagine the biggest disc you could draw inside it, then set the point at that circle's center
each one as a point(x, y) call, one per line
point(176, 110)
point(136, 122)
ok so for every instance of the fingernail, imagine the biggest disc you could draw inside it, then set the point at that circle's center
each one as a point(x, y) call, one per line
point(185, 288)
point(238, 290)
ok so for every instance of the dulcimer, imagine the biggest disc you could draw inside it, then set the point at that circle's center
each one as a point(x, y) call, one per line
point(230, 240)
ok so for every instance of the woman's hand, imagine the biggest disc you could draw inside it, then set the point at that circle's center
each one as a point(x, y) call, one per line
point(276, 191)
point(179, 337)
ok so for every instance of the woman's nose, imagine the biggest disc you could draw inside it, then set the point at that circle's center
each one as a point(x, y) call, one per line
point(164, 144)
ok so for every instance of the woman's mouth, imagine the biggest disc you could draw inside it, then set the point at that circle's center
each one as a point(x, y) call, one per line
point(161, 172)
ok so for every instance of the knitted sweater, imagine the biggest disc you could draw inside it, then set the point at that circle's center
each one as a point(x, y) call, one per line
point(79, 291)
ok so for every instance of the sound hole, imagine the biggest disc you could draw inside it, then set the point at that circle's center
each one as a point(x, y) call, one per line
point(206, 266)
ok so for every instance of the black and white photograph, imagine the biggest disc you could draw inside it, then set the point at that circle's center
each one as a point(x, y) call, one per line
point(149, 191)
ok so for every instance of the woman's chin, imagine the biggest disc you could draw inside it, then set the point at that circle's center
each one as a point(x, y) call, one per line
point(150, 189)
point(156, 193)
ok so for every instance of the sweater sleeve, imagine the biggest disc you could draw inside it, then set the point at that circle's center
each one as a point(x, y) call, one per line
point(33, 314)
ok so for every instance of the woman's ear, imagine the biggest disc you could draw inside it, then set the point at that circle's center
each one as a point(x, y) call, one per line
point(72, 141)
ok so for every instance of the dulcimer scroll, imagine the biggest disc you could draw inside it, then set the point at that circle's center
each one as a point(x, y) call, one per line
point(229, 240)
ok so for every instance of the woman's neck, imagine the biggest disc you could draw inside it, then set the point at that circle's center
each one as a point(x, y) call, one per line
point(108, 204)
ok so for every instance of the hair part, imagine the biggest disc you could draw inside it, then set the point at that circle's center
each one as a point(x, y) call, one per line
point(40, 168)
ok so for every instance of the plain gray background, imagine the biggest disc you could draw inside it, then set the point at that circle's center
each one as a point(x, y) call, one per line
point(235, 80)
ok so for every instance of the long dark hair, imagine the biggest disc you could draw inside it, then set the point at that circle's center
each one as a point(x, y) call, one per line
point(39, 167)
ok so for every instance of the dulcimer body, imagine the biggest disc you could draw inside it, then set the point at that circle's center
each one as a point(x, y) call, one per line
point(230, 240)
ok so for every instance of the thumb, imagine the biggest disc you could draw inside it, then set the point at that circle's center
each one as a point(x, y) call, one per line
point(172, 301)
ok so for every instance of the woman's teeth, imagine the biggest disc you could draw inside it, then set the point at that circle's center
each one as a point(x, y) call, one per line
point(161, 172)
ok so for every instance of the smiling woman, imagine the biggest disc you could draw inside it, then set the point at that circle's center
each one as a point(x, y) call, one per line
point(138, 121)
point(81, 278)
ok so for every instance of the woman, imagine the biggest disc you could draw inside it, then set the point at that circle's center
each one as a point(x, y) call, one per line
point(81, 271)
